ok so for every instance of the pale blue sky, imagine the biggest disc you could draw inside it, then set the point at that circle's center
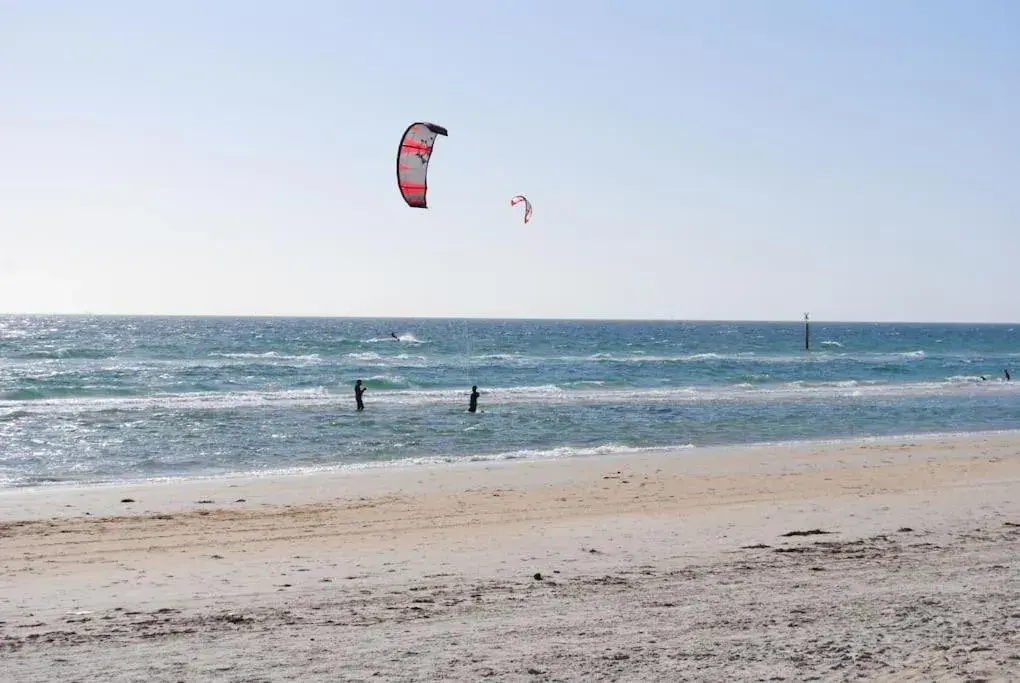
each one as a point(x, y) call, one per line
point(710, 160)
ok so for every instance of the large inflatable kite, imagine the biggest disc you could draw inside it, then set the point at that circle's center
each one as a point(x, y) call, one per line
point(517, 199)
point(413, 162)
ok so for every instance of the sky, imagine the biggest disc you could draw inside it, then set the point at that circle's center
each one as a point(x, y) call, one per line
point(705, 160)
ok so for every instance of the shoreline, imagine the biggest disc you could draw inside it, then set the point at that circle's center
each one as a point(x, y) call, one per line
point(339, 485)
point(439, 463)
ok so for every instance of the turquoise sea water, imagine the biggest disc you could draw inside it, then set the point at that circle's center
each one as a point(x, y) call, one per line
point(86, 399)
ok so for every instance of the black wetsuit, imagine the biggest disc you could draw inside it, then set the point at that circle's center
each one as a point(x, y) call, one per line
point(358, 391)
point(473, 404)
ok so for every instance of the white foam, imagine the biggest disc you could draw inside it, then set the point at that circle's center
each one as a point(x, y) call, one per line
point(523, 455)
point(364, 355)
point(828, 356)
point(269, 355)
point(405, 337)
point(546, 394)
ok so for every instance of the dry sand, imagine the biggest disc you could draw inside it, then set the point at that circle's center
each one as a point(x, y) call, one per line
point(657, 566)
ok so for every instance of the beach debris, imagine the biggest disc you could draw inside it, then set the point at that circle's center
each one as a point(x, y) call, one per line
point(240, 500)
point(1010, 524)
point(205, 502)
point(127, 500)
point(538, 576)
point(809, 532)
point(593, 551)
point(233, 618)
point(756, 546)
point(216, 557)
point(904, 530)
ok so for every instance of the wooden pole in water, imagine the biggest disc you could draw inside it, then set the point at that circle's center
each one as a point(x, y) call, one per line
point(807, 332)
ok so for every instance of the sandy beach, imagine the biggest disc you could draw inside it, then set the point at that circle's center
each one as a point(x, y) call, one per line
point(894, 559)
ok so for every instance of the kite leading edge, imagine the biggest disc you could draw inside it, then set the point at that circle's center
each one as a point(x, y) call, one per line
point(413, 161)
point(517, 199)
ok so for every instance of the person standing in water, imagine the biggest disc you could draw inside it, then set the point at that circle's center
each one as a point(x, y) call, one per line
point(359, 389)
point(473, 401)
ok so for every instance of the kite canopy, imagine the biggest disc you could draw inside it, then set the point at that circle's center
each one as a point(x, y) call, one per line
point(517, 199)
point(413, 161)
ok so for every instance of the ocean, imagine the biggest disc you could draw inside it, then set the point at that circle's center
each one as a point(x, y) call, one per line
point(106, 399)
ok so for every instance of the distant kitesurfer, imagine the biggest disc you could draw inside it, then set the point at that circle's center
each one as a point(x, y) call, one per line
point(1006, 373)
point(394, 335)
point(473, 402)
point(359, 389)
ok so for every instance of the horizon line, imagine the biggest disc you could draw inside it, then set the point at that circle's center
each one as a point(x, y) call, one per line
point(489, 318)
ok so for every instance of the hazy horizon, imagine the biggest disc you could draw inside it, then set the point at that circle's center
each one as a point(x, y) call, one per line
point(778, 321)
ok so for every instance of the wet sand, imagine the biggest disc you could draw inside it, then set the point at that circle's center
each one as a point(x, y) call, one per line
point(655, 566)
